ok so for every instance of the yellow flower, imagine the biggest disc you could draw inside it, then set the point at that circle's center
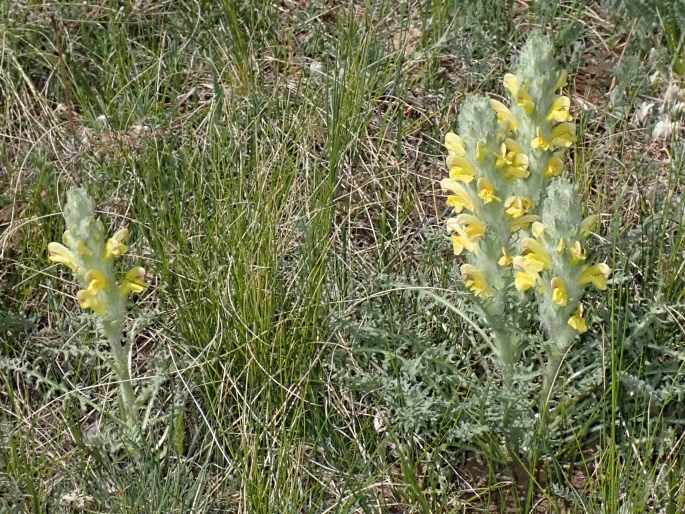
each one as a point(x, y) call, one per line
point(536, 258)
point(523, 222)
point(559, 110)
point(470, 226)
point(554, 166)
point(61, 254)
point(539, 142)
point(512, 160)
point(524, 280)
point(460, 198)
point(577, 253)
point(505, 117)
point(527, 274)
point(486, 191)
point(468, 230)
point(577, 321)
point(116, 245)
point(559, 292)
point(538, 230)
point(563, 135)
point(517, 206)
point(460, 168)
point(89, 298)
point(475, 280)
point(455, 144)
point(518, 93)
point(596, 275)
point(461, 243)
point(134, 282)
point(506, 259)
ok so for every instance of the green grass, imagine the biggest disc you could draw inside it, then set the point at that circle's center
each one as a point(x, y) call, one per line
point(277, 164)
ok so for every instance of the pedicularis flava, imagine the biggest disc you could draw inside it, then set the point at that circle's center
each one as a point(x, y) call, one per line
point(91, 258)
point(517, 224)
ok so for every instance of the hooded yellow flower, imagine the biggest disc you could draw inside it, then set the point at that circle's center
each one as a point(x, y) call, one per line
point(460, 168)
point(524, 280)
point(475, 280)
point(555, 165)
point(506, 259)
point(536, 257)
point(460, 198)
point(62, 255)
point(518, 93)
point(563, 135)
point(596, 275)
point(577, 321)
point(517, 206)
point(539, 142)
point(467, 225)
point(461, 243)
point(134, 282)
point(523, 222)
point(505, 117)
point(467, 231)
point(486, 191)
point(559, 292)
point(116, 245)
point(455, 144)
point(512, 160)
point(560, 110)
point(90, 298)
point(577, 253)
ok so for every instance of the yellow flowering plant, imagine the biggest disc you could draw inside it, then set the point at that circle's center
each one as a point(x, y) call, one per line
point(91, 256)
point(516, 223)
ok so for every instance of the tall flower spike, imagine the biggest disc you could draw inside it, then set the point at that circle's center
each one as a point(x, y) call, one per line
point(91, 257)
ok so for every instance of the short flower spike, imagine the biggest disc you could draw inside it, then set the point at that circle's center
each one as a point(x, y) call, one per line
point(86, 253)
